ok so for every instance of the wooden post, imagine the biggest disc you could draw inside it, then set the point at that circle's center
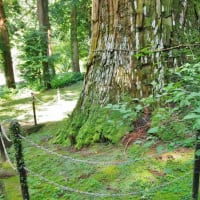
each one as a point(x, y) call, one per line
point(15, 129)
point(34, 113)
point(1, 146)
point(196, 172)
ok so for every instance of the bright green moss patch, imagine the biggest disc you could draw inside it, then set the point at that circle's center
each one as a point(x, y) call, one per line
point(102, 124)
point(12, 188)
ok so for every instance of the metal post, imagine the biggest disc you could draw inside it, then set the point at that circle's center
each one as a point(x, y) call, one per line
point(196, 172)
point(15, 129)
point(34, 113)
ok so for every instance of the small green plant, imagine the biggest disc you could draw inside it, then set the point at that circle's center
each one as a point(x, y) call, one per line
point(178, 114)
point(166, 125)
point(6, 93)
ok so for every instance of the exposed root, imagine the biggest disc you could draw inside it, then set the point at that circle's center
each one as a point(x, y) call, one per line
point(141, 127)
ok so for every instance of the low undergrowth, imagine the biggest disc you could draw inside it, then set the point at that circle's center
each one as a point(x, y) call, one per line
point(150, 173)
point(153, 171)
point(66, 79)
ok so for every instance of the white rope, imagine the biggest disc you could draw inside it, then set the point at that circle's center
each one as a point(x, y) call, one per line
point(37, 99)
point(105, 194)
point(71, 158)
point(105, 163)
point(49, 102)
point(6, 154)
point(90, 162)
point(4, 133)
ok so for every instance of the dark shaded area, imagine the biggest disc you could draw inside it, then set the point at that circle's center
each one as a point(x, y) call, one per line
point(2, 191)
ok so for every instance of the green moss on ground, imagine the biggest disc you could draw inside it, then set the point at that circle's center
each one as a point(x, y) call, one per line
point(101, 124)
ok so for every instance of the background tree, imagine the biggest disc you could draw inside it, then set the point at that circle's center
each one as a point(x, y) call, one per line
point(72, 28)
point(74, 39)
point(5, 48)
point(48, 69)
point(132, 45)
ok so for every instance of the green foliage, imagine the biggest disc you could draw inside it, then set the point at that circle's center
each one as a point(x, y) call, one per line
point(167, 126)
point(13, 11)
point(178, 114)
point(104, 124)
point(66, 79)
point(60, 19)
point(31, 68)
point(6, 93)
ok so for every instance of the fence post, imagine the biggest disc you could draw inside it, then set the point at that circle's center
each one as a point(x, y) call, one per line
point(196, 172)
point(33, 104)
point(1, 146)
point(16, 131)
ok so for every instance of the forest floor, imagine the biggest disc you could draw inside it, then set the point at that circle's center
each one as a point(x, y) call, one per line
point(147, 170)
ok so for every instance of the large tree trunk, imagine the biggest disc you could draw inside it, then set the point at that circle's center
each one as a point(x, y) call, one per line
point(5, 47)
point(74, 39)
point(48, 68)
point(132, 44)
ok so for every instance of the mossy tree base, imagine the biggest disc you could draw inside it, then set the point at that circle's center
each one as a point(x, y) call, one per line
point(130, 51)
point(98, 124)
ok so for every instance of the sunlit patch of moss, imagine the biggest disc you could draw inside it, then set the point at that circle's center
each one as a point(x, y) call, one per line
point(169, 196)
point(110, 172)
point(12, 188)
point(6, 165)
point(107, 124)
point(107, 173)
point(181, 190)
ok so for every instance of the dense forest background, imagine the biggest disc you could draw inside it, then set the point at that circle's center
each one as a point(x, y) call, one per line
point(42, 32)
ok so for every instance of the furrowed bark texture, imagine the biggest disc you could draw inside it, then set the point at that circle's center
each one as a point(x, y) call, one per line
point(122, 30)
point(132, 44)
point(5, 48)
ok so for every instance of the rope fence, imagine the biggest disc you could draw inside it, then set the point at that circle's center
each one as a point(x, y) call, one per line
point(89, 161)
point(5, 151)
point(4, 133)
point(149, 50)
point(56, 99)
point(69, 189)
point(88, 193)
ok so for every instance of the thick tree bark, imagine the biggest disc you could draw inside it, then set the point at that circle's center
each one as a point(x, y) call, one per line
point(5, 47)
point(127, 45)
point(48, 68)
point(132, 44)
point(74, 39)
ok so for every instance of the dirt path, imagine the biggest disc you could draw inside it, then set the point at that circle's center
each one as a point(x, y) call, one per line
point(53, 105)
point(47, 111)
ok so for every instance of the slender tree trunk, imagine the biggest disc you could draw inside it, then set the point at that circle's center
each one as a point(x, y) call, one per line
point(5, 47)
point(74, 39)
point(133, 43)
point(48, 68)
